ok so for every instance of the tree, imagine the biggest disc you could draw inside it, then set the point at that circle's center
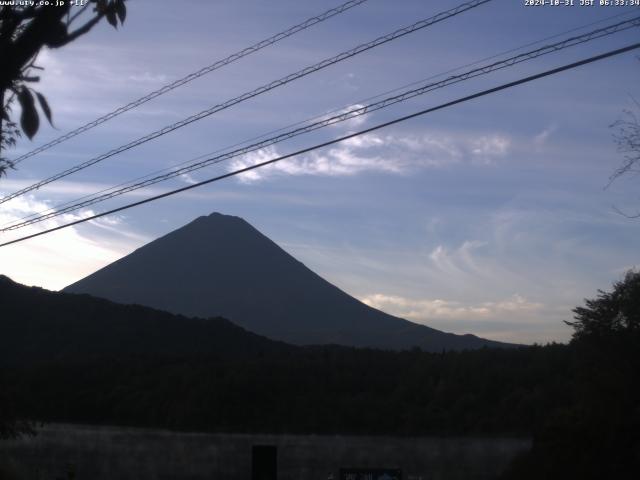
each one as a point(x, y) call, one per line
point(12, 422)
point(627, 138)
point(598, 434)
point(24, 31)
point(611, 313)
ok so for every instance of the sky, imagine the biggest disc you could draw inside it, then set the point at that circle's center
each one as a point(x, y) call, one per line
point(492, 217)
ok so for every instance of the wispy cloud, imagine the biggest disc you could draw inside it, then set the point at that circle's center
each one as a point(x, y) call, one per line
point(62, 257)
point(487, 149)
point(395, 154)
point(148, 78)
point(423, 310)
point(341, 161)
point(353, 122)
point(188, 179)
point(512, 319)
point(541, 138)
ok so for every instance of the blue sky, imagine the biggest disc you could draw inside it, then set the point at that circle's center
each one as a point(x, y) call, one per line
point(490, 217)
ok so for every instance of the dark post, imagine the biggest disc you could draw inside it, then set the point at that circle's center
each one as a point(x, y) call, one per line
point(264, 465)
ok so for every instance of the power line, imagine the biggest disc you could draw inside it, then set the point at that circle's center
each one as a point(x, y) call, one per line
point(263, 89)
point(329, 112)
point(340, 139)
point(324, 115)
point(316, 117)
point(477, 62)
point(192, 76)
point(346, 115)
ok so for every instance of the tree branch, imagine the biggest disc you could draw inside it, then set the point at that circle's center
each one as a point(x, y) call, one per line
point(38, 32)
point(81, 31)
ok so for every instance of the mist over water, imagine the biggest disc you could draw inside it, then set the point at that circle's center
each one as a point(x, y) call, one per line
point(101, 453)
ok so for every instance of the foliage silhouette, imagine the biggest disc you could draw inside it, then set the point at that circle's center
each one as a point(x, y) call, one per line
point(598, 434)
point(94, 361)
point(89, 360)
point(24, 31)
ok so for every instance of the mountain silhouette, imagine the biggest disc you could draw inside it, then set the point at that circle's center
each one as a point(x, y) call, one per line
point(40, 326)
point(219, 265)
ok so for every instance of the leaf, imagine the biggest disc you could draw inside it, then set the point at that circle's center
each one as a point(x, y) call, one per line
point(29, 120)
point(101, 6)
point(121, 10)
point(111, 17)
point(45, 107)
point(57, 36)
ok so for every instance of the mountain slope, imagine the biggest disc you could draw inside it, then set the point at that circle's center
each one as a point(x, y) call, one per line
point(37, 325)
point(221, 266)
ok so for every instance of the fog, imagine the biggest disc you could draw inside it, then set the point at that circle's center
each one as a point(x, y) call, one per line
point(99, 453)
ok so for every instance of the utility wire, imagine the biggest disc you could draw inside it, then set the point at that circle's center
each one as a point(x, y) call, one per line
point(340, 139)
point(263, 89)
point(477, 62)
point(354, 112)
point(324, 115)
point(192, 76)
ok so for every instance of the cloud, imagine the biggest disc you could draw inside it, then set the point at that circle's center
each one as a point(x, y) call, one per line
point(60, 258)
point(487, 148)
point(471, 290)
point(511, 319)
point(461, 260)
point(148, 78)
point(61, 187)
point(353, 122)
point(341, 161)
point(108, 77)
point(541, 138)
point(394, 154)
point(188, 179)
point(425, 309)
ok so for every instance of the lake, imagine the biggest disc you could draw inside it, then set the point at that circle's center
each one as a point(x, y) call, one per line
point(101, 453)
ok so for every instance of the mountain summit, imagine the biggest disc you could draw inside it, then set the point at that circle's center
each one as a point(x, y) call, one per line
point(220, 265)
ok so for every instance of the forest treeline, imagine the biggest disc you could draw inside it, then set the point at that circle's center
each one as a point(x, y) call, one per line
point(77, 358)
point(313, 390)
point(68, 358)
